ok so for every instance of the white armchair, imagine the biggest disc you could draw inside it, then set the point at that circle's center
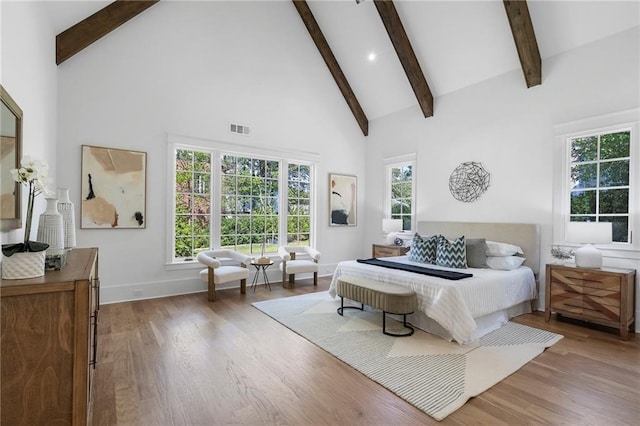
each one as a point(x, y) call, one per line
point(216, 273)
point(291, 266)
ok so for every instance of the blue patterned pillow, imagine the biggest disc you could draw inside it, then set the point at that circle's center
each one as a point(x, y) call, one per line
point(452, 254)
point(423, 249)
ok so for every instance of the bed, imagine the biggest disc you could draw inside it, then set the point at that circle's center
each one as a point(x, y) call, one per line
point(467, 309)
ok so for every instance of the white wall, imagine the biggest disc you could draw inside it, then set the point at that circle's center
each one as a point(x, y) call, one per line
point(191, 69)
point(28, 72)
point(508, 128)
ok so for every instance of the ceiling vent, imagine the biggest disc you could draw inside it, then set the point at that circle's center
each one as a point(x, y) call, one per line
point(239, 129)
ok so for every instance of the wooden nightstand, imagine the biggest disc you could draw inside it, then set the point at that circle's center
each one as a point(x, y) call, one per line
point(382, 250)
point(605, 296)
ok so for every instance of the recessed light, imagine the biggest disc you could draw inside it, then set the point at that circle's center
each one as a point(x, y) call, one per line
point(371, 57)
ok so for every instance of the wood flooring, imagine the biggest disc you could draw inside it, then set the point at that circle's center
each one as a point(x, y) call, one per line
point(186, 361)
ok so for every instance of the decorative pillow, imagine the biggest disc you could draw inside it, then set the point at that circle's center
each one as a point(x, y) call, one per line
point(502, 249)
point(505, 263)
point(423, 249)
point(452, 254)
point(476, 252)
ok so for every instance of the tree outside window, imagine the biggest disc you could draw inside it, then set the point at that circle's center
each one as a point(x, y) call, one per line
point(249, 204)
point(192, 226)
point(402, 194)
point(299, 204)
point(249, 210)
point(599, 181)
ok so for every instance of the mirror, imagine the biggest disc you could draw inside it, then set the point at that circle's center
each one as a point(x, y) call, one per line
point(10, 155)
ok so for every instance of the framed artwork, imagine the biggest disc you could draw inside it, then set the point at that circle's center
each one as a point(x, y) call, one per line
point(343, 190)
point(114, 185)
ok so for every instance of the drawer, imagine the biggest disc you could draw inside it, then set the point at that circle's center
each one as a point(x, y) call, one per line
point(386, 252)
point(586, 279)
point(573, 306)
point(603, 296)
point(586, 309)
point(598, 312)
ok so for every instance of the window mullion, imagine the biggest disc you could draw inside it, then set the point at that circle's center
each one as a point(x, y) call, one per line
point(216, 198)
point(283, 201)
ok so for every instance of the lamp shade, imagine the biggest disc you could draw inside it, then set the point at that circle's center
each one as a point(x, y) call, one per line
point(391, 225)
point(589, 232)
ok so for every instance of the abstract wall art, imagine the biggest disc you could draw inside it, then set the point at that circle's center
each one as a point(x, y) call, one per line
point(114, 184)
point(343, 203)
point(469, 181)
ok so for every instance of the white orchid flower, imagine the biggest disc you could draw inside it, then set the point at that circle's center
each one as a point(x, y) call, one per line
point(34, 174)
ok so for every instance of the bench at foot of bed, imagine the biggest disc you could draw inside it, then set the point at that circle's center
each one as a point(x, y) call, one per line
point(389, 298)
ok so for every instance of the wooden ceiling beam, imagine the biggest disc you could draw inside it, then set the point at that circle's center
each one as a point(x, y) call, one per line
point(402, 45)
point(75, 38)
point(325, 51)
point(525, 39)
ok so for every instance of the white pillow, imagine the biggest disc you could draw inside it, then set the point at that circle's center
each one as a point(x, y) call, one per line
point(502, 249)
point(505, 263)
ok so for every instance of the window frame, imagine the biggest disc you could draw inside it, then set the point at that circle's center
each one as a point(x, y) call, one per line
point(564, 134)
point(217, 149)
point(395, 162)
point(192, 192)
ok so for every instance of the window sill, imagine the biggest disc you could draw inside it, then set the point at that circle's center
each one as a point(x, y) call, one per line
point(179, 266)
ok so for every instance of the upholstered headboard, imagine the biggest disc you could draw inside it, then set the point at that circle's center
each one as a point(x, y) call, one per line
point(525, 235)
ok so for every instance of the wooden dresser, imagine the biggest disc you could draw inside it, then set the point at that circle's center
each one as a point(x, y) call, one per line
point(382, 250)
point(605, 296)
point(48, 350)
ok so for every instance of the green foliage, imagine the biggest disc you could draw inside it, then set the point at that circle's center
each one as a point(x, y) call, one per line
point(402, 194)
point(249, 202)
point(615, 145)
point(583, 202)
point(584, 149)
point(600, 180)
point(614, 201)
point(584, 175)
point(614, 173)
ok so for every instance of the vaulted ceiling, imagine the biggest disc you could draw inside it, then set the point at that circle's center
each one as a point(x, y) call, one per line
point(390, 55)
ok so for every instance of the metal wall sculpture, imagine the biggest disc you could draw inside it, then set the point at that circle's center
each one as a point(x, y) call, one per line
point(469, 181)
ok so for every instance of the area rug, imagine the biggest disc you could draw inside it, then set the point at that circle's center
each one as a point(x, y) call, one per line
point(434, 375)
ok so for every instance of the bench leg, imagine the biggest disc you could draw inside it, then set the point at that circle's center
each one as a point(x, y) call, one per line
point(404, 323)
point(341, 309)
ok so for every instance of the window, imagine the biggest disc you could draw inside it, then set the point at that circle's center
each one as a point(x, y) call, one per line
point(599, 175)
point(249, 204)
point(400, 190)
point(192, 225)
point(222, 198)
point(299, 204)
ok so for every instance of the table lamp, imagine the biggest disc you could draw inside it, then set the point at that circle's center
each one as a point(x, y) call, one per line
point(391, 227)
point(589, 233)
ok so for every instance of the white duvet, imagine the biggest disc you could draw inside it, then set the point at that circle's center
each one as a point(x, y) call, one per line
point(452, 304)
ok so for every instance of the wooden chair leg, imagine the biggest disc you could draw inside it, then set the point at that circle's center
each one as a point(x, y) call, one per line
point(243, 286)
point(315, 279)
point(211, 296)
point(292, 280)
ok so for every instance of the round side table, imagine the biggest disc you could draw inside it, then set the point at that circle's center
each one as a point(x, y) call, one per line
point(261, 267)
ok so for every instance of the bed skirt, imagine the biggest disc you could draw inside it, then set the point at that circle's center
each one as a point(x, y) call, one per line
point(486, 323)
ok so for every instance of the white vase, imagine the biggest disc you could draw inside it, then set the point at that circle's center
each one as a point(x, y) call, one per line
point(23, 265)
point(51, 228)
point(66, 209)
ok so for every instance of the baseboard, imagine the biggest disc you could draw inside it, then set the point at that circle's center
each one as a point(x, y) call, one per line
point(153, 290)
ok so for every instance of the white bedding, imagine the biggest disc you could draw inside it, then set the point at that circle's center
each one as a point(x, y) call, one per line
point(452, 304)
